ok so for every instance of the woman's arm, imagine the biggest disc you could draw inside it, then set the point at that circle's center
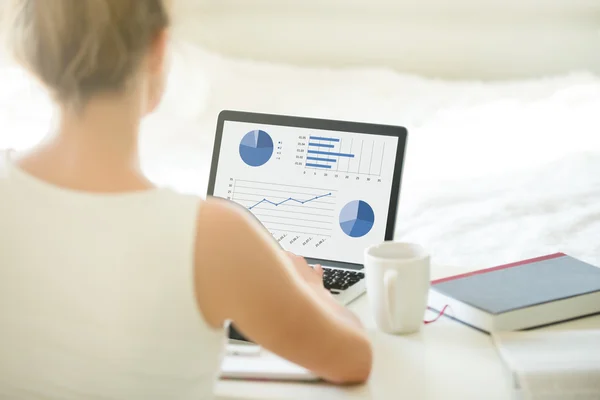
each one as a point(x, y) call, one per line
point(276, 300)
point(315, 279)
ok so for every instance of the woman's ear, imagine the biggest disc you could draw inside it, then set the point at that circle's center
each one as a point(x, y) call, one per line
point(157, 55)
point(157, 70)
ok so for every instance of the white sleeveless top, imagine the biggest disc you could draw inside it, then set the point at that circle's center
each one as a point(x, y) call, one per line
point(97, 296)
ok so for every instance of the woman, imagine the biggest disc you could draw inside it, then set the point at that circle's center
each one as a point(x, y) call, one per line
point(111, 288)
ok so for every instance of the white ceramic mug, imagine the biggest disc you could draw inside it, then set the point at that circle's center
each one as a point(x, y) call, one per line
point(398, 281)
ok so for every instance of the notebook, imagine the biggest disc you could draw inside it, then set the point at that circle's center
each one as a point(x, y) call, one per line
point(522, 295)
point(240, 364)
point(552, 365)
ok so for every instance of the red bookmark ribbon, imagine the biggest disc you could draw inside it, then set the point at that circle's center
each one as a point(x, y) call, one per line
point(431, 321)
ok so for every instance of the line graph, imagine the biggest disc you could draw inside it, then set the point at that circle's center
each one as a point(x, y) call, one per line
point(289, 212)
point(288, 199)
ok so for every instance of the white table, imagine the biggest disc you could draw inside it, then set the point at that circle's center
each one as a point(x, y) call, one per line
point(446, 360)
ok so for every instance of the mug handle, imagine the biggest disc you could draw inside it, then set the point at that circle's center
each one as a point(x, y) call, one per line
point(389, 283)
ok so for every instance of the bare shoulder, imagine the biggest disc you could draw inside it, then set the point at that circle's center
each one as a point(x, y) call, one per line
point(215, 219)
point(216, 207)
point(218, 217)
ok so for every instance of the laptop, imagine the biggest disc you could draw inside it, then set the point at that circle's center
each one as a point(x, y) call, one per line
point(325, 189)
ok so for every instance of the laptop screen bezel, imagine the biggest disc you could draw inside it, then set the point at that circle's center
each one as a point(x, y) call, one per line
point(328, 125)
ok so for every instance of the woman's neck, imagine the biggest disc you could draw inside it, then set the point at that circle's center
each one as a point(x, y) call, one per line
point(95, 149)
point(105, 130)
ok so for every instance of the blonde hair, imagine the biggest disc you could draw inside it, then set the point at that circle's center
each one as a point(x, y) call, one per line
point(80, 48)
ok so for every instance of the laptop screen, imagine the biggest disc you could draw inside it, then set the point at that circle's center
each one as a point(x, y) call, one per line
point(322, 194)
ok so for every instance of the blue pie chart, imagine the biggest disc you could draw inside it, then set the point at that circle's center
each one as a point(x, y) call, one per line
point(357, 218)
point(256, 148)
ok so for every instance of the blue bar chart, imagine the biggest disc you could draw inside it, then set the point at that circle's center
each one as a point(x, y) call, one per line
point(362, 156)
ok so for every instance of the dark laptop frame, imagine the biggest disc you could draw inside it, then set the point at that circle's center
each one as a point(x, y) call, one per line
point(328, 125)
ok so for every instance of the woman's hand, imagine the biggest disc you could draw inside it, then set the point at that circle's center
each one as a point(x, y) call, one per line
point(314, 277)
point(311, 275)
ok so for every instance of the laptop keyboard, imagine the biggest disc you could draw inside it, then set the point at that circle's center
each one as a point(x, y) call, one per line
point(337, 280)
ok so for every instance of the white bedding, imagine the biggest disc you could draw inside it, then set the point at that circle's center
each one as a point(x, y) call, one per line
point(495, 171)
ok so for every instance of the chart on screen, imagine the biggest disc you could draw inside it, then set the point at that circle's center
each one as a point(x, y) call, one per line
point(289, 212)
point(256, 148)
point(321, 194)
point(354, 155)
point(357, 218)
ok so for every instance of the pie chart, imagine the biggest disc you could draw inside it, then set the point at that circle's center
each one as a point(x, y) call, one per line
point(357, 218)
point(256, 148)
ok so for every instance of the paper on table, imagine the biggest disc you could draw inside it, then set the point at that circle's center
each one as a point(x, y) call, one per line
point(263, 366)
point(552, 365)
